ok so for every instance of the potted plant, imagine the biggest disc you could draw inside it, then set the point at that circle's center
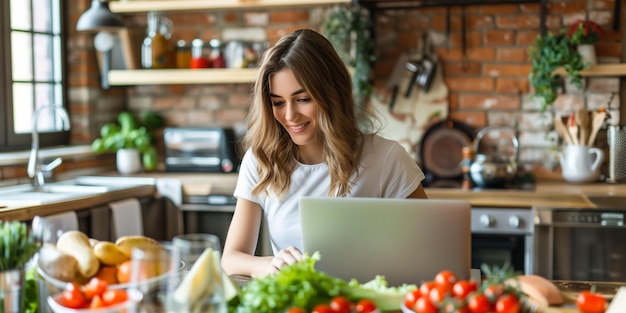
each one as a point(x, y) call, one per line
point(548, 54)
point(17, 247)
point(584, 34)
point(349, 29)
point(130, 138)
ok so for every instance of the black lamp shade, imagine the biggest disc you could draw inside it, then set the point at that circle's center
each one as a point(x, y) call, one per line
point(98, 17)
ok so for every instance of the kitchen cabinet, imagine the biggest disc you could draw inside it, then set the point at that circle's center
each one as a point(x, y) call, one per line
point(197, 76)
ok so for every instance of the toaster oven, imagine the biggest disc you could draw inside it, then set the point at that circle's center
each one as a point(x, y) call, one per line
point(207, 149)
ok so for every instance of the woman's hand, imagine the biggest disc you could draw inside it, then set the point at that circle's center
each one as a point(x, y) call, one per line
point(284, 257)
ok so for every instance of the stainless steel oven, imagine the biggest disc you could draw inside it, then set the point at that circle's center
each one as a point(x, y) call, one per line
point(580, 244)
point(502, 235)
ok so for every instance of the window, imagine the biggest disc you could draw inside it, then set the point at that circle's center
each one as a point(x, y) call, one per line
point(31, 72)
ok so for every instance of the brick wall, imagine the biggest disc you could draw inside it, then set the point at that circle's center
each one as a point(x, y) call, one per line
point(492, 90)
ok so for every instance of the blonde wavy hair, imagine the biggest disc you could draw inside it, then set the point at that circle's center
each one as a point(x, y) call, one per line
point(323, 75)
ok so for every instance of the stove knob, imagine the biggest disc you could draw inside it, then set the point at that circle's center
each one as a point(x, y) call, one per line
point(514, 221)
point(486, 220)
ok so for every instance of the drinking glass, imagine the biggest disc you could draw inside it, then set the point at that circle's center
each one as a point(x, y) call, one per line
point(200, 287)
point(152, 275)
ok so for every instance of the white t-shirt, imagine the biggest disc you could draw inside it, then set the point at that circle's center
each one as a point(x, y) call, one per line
point(386, 171)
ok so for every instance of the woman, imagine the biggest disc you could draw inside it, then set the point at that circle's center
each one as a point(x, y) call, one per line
point(303, 140)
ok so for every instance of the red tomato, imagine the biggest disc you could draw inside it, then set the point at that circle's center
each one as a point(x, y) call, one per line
point(340, 304)
point(365, 306)
point(426, 287)
point(96, 302)
point(73, 297)
point(445, 279)
point(437, 295)
point(411, 298)
point(424, 305)
point(590, 302)
point(463, 287)
point(322, 308)
point(507, 303)
point(493, 292)
point(296, 310)
point(95, 287)
point(111, 297)
point(478, 303)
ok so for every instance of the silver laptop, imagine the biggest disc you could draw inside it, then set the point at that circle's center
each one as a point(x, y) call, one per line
point(405, 240)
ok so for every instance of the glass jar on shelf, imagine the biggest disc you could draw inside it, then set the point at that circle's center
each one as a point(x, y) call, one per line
point(198, 58)
point(155, 50)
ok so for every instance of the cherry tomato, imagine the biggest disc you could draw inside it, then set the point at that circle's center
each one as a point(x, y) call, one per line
point(296, 310)
point(463, 287)
point(445, 279)
point(590, 302)
point(424, 305)
point(411, 297)
point(426, 287)
point(493, 292)
point(478, 303)
point(95, 287)
point(73, 297)
point(96, 302)
point(507, 303)
point(365, 306)
point(111, 297)
point(437, 295)
point(340, 304)
point(322, 308)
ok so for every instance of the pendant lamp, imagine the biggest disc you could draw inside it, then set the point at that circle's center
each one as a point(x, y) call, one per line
point(99, 17)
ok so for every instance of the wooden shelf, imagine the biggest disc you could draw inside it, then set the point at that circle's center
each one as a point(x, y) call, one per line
point(601, 70)
point(132, 6)
point(181, 76)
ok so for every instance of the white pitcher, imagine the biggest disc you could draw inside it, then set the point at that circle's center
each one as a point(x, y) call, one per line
point(581, 164)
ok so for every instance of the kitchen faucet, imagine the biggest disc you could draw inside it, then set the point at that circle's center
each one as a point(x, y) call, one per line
point(36, 169)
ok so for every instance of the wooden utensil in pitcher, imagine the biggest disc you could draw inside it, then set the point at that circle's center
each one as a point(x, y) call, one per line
point(582, 120)
point(597, 119)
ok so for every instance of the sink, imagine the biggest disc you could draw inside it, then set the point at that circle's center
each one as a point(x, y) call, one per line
point(608, 201)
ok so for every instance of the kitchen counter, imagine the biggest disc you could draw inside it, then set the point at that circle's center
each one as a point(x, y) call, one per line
point(546, 194)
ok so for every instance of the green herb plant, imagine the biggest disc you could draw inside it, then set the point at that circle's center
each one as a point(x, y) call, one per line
point(131, 133)
point(16, 245)
point(549, 53)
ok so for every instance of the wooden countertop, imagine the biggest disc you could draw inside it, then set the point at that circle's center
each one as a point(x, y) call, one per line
point(554, 194)
point(27, 212)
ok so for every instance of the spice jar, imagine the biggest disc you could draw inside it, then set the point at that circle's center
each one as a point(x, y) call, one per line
point(183, 54)
point(198, 60)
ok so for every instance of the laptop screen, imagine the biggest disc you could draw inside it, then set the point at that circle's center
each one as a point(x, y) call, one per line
point(405, 240)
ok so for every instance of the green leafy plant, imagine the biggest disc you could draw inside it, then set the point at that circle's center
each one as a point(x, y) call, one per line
point(16, 245)
point(549, 53)
point(131, 133)
point(348, 28)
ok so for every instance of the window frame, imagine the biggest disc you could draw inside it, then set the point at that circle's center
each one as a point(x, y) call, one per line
point(9, 140)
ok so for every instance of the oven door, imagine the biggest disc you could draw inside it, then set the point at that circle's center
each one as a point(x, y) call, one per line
point(502, 236)
point(496, 250)
point(580, 244)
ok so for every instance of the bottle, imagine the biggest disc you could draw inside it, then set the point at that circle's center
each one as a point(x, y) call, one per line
point(216, 57)
point(468, 157)
point(154, 50)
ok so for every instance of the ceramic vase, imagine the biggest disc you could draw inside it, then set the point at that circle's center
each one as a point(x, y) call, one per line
point(128, 161)
point(12, 291)
point(588, 53)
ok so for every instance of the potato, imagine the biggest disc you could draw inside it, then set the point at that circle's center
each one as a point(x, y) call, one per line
point(76, 244)
point(57, 264)
point(109, 254)
point(127, 243)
